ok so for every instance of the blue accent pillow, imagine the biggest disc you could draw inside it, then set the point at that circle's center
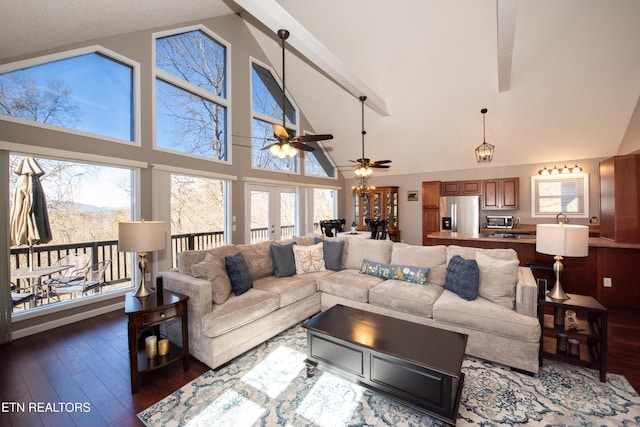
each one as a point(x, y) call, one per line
point(406, 273)
point(238, 272)
point(463, 277)
point(284, 263)
point(332, 251)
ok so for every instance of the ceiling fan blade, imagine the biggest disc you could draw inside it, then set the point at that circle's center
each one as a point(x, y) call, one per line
point(280, 132)
point(382, 162)
point(379, 166)
point(301, 146)
point(311, 138)
point(269, 146)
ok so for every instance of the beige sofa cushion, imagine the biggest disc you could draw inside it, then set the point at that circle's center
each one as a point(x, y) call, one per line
point(292, 288)
point(405, 297)
point(470, 253)
point(212, 268)
point(238, 311)
point(355, 250)
point(497, 279)
point(258, 258)
point(349, 284)
point(186, 259)
point(420, 256)
point(486, 316)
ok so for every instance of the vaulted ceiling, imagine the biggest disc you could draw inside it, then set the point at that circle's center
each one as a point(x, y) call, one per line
point(560, 78)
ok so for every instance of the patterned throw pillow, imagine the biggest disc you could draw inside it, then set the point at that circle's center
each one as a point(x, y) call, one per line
point(463, 277)
point(309, 258)
point(405, 273)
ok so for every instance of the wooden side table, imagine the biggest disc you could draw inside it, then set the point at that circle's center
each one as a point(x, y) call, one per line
point(591, 332)
point(149, 313)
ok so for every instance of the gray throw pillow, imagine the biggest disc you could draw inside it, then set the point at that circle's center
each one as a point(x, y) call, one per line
point(238, 272)
point(332, 253)
point(284, 263)
point(463, 277)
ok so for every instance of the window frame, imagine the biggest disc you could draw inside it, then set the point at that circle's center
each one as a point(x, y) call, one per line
point(67, 54)
point(173, 80)
point(271, 119)
point(583, 194)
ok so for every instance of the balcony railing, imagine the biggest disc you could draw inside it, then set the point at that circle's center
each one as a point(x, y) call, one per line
point(119, 271)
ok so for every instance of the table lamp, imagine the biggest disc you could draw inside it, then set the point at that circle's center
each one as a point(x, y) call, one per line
point(141, 237)
point(561, 240)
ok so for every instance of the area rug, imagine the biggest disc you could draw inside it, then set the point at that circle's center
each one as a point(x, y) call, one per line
point(268, 386)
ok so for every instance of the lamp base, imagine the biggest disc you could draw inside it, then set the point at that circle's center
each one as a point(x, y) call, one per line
point(557, 293)
point(142, 290)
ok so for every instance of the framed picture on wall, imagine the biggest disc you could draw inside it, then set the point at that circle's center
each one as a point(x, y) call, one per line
point(412, 195)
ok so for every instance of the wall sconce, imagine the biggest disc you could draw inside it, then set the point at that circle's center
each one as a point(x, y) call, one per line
point(556, 171)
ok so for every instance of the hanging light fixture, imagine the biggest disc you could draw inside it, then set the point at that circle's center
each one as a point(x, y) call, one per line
point(484, 152)
point(363, 188)
point(558, 171)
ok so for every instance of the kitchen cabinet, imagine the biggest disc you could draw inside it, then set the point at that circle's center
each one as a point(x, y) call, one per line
point(462, 188)
point(619, 201)
point(381, 202)
point(431, 191)
point(500, 194)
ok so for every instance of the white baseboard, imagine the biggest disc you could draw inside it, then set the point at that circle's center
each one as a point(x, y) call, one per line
point(25, 332)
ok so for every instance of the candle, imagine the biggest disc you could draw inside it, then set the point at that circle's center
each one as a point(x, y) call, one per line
point(151, 345)
point(163, 347)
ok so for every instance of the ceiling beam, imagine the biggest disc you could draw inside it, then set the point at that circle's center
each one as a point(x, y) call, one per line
point(506, 14)
point(275, 17)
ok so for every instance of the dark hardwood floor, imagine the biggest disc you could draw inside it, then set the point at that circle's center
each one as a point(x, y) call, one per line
point(88, 363)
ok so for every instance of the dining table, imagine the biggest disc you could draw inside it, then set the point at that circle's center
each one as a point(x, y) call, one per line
point(36, 274)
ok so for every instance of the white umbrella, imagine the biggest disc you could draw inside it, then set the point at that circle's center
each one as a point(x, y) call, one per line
point(29, 217)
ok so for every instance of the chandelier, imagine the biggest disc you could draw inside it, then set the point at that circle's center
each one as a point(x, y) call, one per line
point(363, 188)
point(484, 151)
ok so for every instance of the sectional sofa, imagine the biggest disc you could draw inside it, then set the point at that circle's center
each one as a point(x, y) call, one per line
point(422, 284)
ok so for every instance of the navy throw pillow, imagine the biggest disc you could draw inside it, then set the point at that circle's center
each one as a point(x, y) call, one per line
point(332, 252)
point(284, 263)
point(238, 272)
point(463, 277)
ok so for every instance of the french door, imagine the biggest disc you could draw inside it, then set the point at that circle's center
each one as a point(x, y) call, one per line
point(271, 213)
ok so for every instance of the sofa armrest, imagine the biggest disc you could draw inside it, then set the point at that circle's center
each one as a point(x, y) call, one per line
point(198, 291)
point(526, 293)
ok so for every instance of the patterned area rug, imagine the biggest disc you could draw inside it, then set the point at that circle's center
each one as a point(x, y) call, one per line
point(268, 386)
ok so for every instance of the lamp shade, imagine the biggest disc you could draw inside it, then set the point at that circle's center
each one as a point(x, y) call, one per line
point(141, 236)
point(562, 239)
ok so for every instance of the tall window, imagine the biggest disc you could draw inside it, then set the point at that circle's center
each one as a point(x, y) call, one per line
point(266, 104)
point(191, 95)
point(317, 163)
point(198, 212)
point(88, 92)
point(84, 203)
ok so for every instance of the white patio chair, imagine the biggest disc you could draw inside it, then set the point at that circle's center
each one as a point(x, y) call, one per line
point(93, 280)
point(80, 263)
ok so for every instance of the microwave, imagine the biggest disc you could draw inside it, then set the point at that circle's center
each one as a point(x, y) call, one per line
point(499, 221)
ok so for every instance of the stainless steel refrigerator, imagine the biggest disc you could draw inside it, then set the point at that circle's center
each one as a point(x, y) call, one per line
point(460, 214)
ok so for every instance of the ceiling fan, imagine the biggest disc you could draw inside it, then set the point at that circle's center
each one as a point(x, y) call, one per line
point(284, 142)
point(363, 164)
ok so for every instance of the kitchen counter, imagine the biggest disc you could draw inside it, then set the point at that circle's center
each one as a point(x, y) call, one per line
point(594, 242)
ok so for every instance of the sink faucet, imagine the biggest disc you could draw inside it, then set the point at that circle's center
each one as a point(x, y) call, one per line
point(564, 219)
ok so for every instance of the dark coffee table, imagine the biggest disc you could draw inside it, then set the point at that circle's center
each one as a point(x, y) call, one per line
point(415, 364)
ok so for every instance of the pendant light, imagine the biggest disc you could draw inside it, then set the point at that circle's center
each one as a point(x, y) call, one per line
point(484, 152)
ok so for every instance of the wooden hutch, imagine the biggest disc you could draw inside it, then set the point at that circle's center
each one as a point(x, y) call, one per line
point(381, 202)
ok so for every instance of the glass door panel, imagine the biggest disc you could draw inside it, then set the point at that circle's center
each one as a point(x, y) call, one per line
point(271, 214)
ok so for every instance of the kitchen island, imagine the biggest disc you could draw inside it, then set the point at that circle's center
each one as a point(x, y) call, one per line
point(585, 276)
